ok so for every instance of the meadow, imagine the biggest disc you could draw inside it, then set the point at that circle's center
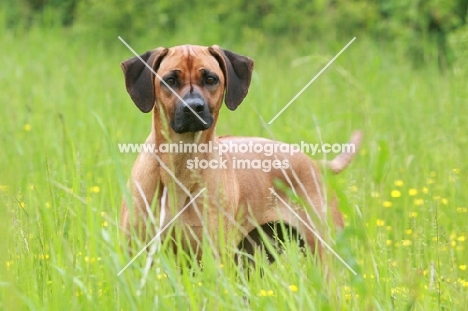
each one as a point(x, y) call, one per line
point(64, 110)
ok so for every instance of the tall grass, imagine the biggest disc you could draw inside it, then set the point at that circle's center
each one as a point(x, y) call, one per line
point(64, 110)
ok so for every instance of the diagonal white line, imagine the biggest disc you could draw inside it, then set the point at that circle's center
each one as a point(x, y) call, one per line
point(159, 77)
point(312, 230)
point(311, 81)
point(160, 232)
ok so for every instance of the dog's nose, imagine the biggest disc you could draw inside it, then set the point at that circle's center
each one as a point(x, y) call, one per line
point(194, 104)
point(191, 115)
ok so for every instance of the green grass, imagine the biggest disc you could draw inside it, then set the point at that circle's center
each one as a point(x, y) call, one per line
point(64, 109)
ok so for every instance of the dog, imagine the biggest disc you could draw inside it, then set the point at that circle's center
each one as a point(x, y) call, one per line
point(185, 97)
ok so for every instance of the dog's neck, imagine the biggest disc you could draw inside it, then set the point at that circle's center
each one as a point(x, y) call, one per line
point(162, 134)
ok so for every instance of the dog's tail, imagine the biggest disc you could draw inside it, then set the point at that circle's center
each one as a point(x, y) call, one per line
point(344, 159)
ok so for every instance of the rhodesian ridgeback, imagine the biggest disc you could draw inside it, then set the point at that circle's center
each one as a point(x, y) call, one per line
point(236, 199)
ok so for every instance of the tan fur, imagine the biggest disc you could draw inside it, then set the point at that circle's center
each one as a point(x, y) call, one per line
point(237, 199)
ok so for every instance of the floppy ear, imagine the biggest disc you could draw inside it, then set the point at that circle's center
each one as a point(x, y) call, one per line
point(237, 71)
point(139, 79)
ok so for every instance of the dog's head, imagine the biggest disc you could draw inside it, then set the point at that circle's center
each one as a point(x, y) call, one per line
point(190, 84)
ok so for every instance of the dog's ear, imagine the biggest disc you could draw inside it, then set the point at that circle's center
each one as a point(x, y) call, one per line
point(139, 79)
point(237, 71)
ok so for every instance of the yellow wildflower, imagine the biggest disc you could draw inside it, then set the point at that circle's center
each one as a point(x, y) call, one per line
point(463, 282)
point(95, 189)
point(161, 276)
point(398, 183)
point(406, 242)
point(265, 293)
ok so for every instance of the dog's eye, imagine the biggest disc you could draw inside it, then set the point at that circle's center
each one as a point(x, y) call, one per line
point(170, 81)
point(210, 80)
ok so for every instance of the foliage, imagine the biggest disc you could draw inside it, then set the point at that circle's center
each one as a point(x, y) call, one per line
point(414, 23)
point(298, 17)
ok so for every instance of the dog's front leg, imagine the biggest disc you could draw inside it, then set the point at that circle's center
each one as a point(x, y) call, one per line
point(143, 186)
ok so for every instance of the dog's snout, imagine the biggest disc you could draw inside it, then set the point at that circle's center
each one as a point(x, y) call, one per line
point(194, 104)
point(192, 115)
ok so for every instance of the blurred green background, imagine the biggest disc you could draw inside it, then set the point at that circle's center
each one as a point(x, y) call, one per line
point(413, 23)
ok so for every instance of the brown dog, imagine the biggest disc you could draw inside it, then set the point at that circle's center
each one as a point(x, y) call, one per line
point(237, 199)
